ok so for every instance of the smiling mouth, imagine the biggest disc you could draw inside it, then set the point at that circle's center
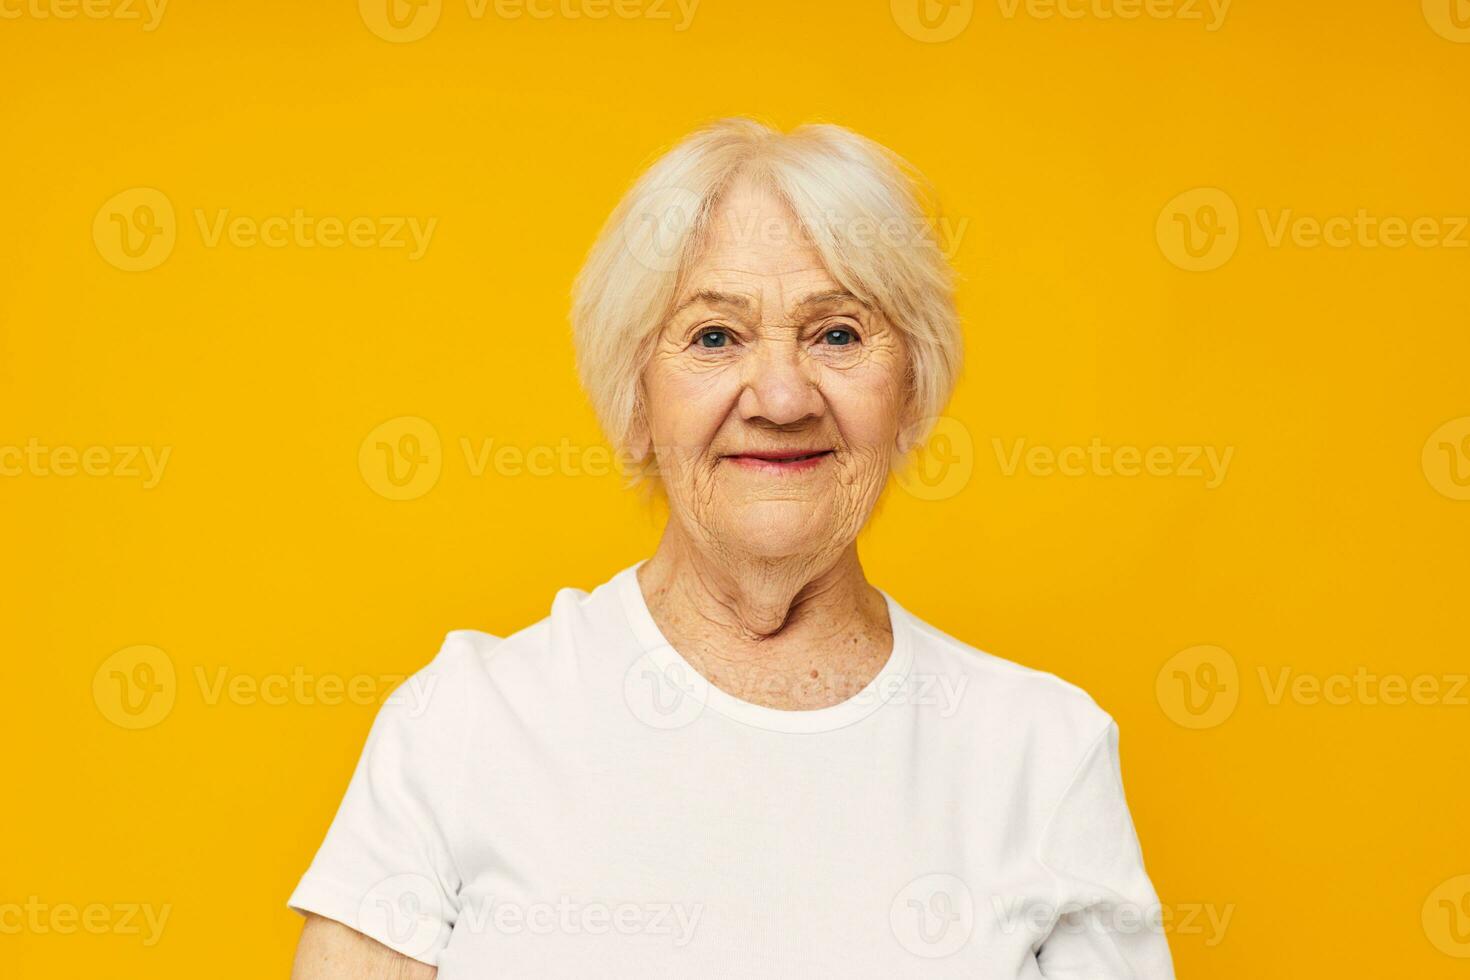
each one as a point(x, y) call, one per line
point(780, 462)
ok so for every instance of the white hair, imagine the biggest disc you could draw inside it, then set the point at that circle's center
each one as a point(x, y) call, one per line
point(860, 205)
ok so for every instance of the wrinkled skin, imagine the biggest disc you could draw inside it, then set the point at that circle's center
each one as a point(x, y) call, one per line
point(766, 352)
point(769, 375)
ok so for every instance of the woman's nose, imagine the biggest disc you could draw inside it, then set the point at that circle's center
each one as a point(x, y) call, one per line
point(779, 385)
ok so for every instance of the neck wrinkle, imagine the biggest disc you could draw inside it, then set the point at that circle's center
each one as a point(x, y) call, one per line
point(730, 603)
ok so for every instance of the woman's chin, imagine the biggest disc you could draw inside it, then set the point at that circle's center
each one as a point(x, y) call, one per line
point(781, 529)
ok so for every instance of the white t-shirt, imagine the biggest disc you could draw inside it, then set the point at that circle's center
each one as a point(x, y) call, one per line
point(576, 801)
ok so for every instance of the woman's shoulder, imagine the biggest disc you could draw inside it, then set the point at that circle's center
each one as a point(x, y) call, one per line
point(539, 653)
point(991, 681)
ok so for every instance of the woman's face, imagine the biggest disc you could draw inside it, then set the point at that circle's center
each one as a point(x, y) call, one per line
point(773, 399)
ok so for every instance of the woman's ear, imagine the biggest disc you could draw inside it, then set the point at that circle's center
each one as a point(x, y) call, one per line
point(639, 444)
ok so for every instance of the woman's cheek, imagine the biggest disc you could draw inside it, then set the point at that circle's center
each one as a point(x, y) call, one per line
point(865, 406)
point(696, 404)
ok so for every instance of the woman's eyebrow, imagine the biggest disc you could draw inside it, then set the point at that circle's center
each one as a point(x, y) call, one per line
point(735, 301)
point(826, 298)
point(713, 297)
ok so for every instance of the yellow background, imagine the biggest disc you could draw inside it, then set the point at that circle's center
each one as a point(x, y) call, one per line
point(1336, 541)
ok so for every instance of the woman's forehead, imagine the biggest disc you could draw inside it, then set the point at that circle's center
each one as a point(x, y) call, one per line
point(742, 292)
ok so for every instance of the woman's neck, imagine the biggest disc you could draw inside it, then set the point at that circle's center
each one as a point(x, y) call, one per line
point(797, 632)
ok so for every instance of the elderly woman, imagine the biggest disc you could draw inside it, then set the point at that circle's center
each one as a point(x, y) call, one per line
point(738, 758)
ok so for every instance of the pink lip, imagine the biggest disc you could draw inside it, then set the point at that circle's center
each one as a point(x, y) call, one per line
point(792, 462)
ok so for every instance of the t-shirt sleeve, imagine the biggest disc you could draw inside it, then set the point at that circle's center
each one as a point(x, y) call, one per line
point(386, 867)
point(1108, 922)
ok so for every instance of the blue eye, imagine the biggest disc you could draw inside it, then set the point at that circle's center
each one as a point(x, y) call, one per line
point(713, 338)
point(839, 337)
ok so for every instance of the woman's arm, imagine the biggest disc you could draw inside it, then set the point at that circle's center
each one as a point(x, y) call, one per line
point(1109, 922)
point(330, 951)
